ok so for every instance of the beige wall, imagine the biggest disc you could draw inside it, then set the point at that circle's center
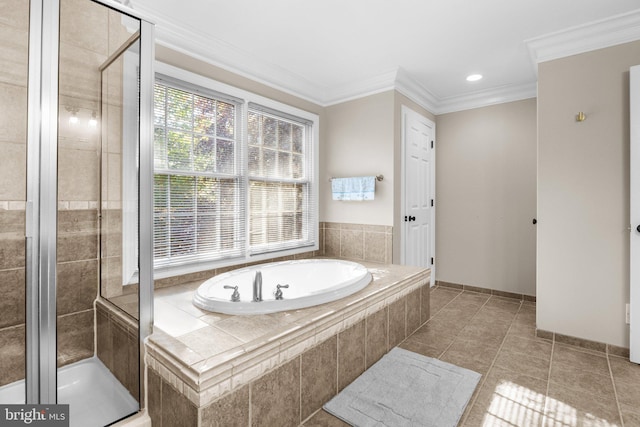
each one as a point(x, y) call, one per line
point(359, 140)
point(583, 194)
point(486, 197)
point(363, 137)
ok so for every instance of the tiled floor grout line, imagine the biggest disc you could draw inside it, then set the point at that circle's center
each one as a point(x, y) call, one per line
point(458, 334)
point(428, 320)
point(431, 316)
point(546, 394)
point(484, 379)
point(615, 392)
point(444, 306)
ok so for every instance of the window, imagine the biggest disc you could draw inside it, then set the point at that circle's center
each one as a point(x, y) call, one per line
point(279, 181)
point(234, 176)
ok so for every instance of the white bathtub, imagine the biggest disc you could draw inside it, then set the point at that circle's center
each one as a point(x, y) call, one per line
point(311, 282)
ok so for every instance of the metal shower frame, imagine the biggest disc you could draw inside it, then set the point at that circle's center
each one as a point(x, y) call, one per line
point(42, 203)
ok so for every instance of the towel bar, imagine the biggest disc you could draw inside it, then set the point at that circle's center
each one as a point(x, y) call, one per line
point(378, 178)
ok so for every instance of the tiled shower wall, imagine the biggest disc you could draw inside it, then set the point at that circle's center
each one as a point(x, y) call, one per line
point(84, 46)
point(77, 283)
point(12, 287)
point(14, 37)
point(89, 33)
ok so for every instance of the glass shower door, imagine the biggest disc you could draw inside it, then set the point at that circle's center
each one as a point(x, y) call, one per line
point(14, 39)
point(97, 213)
point(55, 347)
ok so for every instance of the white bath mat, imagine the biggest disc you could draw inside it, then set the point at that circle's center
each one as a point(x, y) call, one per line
point(406, 389)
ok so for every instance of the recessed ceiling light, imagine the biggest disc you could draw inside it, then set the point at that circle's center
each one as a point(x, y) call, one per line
point(474, 77)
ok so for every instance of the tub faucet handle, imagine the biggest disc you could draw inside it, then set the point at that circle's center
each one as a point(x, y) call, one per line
point(279, 290)
point(235, 296)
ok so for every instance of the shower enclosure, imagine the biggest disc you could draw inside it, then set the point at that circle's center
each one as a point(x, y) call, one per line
point(75, 206)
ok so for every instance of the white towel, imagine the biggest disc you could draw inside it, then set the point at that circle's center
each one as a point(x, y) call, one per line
point(356, 188)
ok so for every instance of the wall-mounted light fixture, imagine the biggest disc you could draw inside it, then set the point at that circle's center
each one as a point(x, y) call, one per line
point(93, 121)
point(73, 118)
point(581, 117)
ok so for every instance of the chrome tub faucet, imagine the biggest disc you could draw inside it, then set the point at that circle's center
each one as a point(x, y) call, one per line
point(257, 286)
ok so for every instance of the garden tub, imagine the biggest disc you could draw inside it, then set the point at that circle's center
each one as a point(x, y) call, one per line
point(303, 283)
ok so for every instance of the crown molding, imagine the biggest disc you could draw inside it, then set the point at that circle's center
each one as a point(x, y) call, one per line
point(485, 98)
point(397, 79)
point(409, 87)
point(228, 57)
point(360, 89)
point(401, 81)
point(599, 34)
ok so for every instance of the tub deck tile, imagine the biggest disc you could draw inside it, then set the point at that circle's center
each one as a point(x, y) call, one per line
point(231, 351)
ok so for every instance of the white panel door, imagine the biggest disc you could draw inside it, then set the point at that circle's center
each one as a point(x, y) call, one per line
point(634, 238)
point(418, 231)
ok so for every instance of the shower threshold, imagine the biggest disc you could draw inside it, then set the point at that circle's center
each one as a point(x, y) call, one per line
point(95, 397)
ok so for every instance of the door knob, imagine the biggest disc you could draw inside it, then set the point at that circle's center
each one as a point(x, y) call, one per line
point(638, 228)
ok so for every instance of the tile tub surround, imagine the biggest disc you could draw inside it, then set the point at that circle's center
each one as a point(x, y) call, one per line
point(207, 274)
point(356, 242)
point(117, 344)
point(359, 242)
point(289, 363)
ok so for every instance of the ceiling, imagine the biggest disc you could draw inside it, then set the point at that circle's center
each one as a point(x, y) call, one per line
point(328, 51)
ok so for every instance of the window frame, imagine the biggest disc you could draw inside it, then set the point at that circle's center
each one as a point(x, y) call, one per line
point(236, 175)
point(305, 181)
point(187, 80)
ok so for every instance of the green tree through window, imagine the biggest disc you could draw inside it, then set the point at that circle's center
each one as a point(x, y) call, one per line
point(219, 194)
point(196, 180)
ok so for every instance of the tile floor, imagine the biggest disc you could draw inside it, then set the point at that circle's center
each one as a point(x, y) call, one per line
point(526, 381)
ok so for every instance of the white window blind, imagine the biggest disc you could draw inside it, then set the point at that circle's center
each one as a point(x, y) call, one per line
point(198, 183)
point(235, 175)
point(281, 204)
